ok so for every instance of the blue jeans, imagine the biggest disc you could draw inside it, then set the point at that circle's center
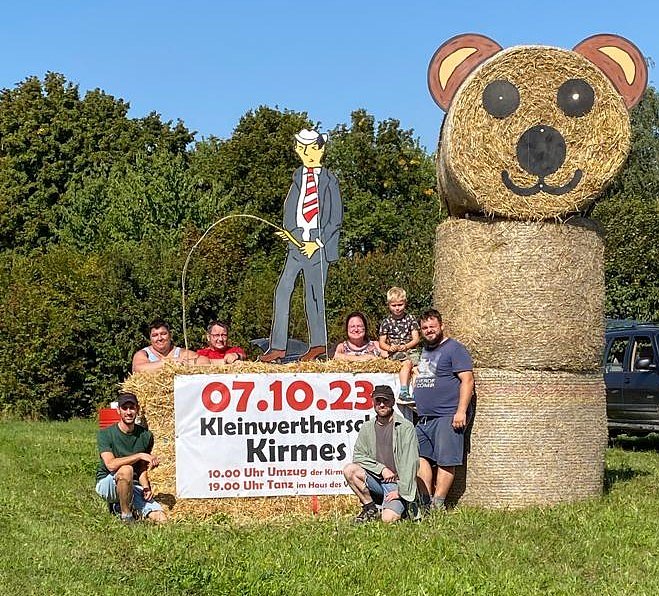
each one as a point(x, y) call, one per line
point(379, 489)
point(107, 488)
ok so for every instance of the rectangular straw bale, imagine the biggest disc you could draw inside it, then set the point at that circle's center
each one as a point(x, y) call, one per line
point(155, 391)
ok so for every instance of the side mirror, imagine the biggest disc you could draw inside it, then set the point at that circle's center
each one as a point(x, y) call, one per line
point(645, 364)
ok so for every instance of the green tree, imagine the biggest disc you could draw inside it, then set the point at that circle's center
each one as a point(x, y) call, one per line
point(50, 138)
point(629, 212)
point(70, 322)
point(388, 184)
point(152, 197)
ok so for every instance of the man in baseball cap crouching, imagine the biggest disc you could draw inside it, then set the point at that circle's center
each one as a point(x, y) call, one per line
point(122, 476)
point(385, 462)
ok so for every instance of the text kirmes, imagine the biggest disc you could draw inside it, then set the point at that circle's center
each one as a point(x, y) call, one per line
point(267, 450)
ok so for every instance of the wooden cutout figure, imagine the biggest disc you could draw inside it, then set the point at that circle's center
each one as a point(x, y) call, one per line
point(313, 213)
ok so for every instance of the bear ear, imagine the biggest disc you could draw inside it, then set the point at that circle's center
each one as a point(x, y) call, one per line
point(621, 61)
point(452, 63)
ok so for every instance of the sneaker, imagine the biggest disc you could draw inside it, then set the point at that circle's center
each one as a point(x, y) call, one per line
point(414, 512)
point(438, 507)
point(114, 508)
point(367, 514)
point(127, 519)
point(405, 399)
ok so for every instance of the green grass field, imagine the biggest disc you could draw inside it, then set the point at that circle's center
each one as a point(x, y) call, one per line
point(56, 538)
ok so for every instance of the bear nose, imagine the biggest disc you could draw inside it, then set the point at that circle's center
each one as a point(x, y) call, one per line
point(541, 150)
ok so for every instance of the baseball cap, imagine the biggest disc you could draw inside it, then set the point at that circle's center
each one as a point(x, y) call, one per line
point(383, 392)
point(127, 398)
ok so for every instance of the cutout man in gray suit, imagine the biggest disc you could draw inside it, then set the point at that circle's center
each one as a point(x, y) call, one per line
point(313, 213)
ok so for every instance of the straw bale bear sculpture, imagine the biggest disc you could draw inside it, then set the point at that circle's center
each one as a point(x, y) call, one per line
point(533, 132)
point(531, 137)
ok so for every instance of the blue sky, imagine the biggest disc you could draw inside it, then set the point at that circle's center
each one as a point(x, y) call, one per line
point(208, 62)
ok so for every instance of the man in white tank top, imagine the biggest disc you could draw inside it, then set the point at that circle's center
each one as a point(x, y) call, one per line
point(162, 350)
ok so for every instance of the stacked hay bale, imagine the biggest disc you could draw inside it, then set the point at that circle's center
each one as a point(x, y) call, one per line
point(527, 298)
point(531, 136)
point(155, 391)
point(523, 295)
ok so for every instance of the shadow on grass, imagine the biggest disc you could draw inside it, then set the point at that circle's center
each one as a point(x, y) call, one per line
point(624, 473)
point(641, 443)
point(613, 475)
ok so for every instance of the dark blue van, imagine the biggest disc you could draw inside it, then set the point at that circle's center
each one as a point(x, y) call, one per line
point(632, 377)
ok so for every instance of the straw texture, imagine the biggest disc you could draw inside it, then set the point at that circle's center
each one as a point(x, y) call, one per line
point(476, 147)
point(522, 295)
point(538, 438)
point(155, 392)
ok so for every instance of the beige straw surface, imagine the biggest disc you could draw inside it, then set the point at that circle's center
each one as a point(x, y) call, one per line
point(155, 392)
point(475, 147)
point(538, 438)
point(522, 295)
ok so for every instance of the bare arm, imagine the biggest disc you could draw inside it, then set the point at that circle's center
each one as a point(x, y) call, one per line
point(187, 358)
point(382, 342)
point(415, 340)
point(340, 354)
point(466, 390)
point(145, 484)
point(141, 361)
point(355, 357)
point(113, 463)
point(235, 355)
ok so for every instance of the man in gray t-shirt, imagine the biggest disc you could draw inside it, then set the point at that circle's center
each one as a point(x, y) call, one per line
point(442, 391)
point(385, 462)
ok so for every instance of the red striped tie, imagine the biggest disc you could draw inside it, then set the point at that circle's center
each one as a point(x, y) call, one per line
point(310, 202)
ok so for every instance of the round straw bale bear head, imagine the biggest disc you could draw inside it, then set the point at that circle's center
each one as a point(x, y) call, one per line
point(532, 132)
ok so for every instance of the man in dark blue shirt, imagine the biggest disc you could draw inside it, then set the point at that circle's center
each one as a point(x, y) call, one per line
point(442, 391)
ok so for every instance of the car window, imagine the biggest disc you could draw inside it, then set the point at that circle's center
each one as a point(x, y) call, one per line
point(615, 357)
point(641, 348)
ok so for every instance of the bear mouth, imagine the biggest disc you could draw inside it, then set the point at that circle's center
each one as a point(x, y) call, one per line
point(541, 185)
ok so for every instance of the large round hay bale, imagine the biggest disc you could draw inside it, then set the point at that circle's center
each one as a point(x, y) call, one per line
point(538, 438)
point(523, 295)
point(478, 150)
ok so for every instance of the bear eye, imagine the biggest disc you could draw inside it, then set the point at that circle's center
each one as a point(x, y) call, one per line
point(500, 98)
point(575, 97)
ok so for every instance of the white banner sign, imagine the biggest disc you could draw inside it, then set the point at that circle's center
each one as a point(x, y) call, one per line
point(254, 435)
